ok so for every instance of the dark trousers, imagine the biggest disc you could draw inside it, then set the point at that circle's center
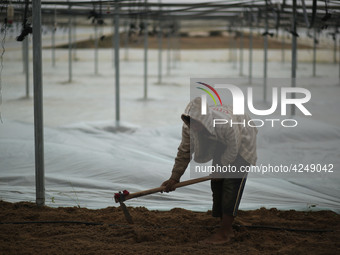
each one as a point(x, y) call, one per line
point(227, 192)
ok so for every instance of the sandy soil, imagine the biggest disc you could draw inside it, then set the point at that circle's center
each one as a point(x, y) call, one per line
point(197, 42)
point(154, 232)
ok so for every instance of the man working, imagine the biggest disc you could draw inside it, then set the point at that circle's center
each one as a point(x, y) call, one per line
point(226, 145)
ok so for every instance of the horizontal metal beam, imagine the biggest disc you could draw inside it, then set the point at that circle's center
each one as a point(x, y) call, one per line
point(190, 11)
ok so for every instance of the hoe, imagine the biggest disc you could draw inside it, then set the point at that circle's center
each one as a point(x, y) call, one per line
point(122, 196)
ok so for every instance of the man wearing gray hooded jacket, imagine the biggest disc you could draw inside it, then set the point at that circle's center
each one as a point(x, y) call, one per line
point(232, 144)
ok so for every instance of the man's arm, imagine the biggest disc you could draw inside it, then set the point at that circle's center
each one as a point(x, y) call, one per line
point(182, 160)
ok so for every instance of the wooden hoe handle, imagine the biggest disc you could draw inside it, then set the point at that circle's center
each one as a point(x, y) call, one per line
point(126, 195)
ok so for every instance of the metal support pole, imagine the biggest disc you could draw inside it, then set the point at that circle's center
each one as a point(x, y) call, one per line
point(27, 69)
point(95, 48)
point(126, 41)
point(265, 61)
point(283, 45)
point(335, 47)
point(175, 45)
point(294, 43)
point(297, 57)
point(314, 53)
point(23, 58)
point(116, 43)
point(241, 53)
point(53, 47)
point(168, 62)
point(38, 105)
point(146, 57)
point(234, 54)
point(74, 25)
point(53, 37)
point(160, 49)
point(173, 48)
point(113, 42)
point(69, 46)
point(230, 46)
point(250, 51)
point(178, 42)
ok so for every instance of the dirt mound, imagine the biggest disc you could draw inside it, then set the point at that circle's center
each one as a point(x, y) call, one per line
point(190, 42)
point(104, 231)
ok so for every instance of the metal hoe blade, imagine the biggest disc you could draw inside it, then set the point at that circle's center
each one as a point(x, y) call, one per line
point(126, 213)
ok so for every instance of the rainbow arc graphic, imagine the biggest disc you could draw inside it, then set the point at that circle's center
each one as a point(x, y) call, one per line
point(209, 93)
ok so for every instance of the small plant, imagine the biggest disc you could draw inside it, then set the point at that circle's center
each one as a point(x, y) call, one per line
point(75, 193)
point(74, 198)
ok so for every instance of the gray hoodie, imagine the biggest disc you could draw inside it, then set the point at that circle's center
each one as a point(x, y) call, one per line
point(237, 138)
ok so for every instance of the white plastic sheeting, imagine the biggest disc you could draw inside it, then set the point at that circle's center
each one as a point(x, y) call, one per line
point(86, 164)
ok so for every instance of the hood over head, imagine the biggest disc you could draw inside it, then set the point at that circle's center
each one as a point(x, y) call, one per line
point(193, 112)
